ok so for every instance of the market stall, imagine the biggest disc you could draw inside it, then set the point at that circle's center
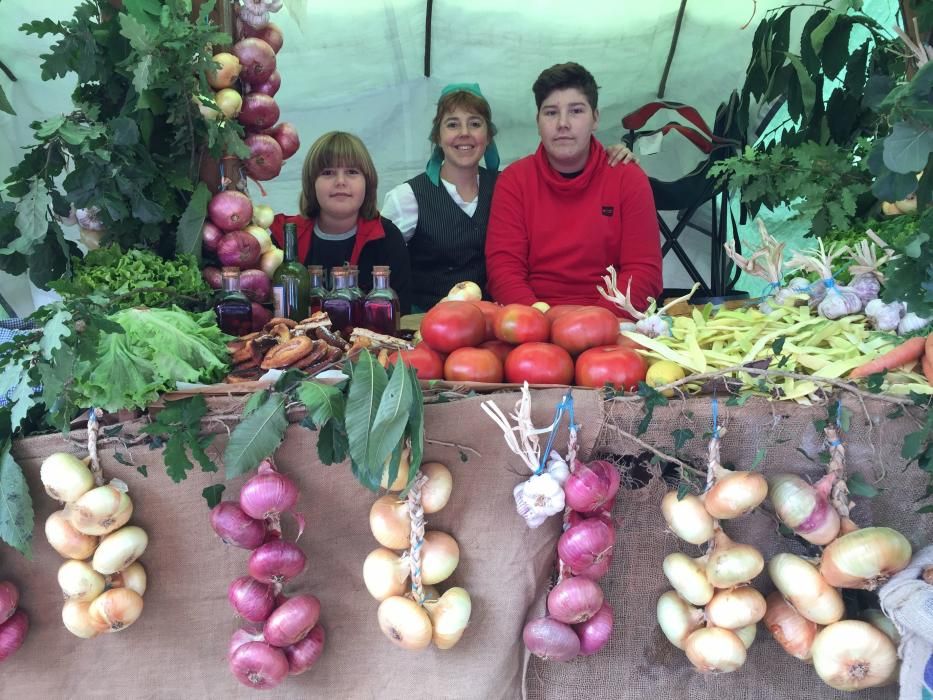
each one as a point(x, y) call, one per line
point(178, 646)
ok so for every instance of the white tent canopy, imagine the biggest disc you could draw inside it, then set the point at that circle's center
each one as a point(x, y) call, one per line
point(358, 65)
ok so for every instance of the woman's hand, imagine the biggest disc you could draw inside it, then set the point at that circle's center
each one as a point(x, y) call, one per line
point(619, 153)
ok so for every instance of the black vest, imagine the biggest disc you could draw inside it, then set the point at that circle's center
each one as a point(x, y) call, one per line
point(448, 245)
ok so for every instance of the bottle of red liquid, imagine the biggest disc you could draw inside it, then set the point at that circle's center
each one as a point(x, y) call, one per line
point(381, 309)
point(316, 292)
point(338, 303)
point(357, 315)
point(234, 311)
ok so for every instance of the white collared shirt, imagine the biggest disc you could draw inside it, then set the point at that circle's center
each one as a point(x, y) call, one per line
point(401, 208)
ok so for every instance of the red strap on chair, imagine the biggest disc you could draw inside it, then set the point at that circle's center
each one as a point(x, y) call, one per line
point(638, 118)
point(695, 137)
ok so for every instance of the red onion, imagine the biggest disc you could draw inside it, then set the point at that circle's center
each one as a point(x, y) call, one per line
point(574, 600)
point(595, 632)
point(601, 514)
point(256, 285)
point(239, 249)
point(210, 237)
point(230, 210)
point(586, 544)
point(257, 665)
point(551, 640)
point(272, 35)
point(241, 637)
point(257, 59)
point(276, 562)
point(292, 620)
point(259, 111)
point(265, 159)
point(591, 485)
point(268, 87)
point(598, 569)
point(302, 655)
point(9, 599)
point(268, 493)
point(212, 276)
point(286, 135)
point(261, 316)
point(236, 527)
point(252, 599)
point(13, 633)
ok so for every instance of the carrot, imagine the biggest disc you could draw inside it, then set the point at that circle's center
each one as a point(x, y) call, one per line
point(927, 361)
point(907, 352)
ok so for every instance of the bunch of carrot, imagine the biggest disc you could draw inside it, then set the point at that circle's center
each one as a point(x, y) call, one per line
point(916, 349)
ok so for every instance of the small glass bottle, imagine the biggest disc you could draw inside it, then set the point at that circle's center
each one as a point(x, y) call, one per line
point(357, 315)
point(290, 282)
point(316, 291)
point(234, 311)
point(381, 309)
point(338, 303)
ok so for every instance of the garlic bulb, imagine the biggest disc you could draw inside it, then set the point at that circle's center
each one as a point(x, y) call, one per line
point(884, 317)
point(911, 322)
point(539, 498)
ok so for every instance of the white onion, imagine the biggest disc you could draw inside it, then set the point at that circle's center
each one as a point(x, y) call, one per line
point(65, 477)
point(734, 493)
point(120, 549)
point(851, 655)
point(79, 581)
point(688, 577)
point(715, 650)
point(803, 587)
point(730, 563)
point(747, 634)
point(687, 518)
point(865, 558)
point(736, 608)
point(677, 618)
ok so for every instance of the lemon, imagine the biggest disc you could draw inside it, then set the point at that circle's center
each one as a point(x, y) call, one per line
point(664, 372)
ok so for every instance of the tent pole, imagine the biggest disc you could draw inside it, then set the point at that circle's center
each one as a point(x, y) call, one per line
point(427, 38)
point(670, 54)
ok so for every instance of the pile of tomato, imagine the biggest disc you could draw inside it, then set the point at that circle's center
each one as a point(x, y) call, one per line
point(479, 341)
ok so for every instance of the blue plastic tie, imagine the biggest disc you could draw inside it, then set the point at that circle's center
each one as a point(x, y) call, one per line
point(566, 404)
point(770, 289)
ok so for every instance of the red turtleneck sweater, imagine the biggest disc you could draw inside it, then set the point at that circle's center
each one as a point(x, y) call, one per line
point(551, 238)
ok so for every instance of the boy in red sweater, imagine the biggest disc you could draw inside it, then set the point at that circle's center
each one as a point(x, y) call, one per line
point(559, 217)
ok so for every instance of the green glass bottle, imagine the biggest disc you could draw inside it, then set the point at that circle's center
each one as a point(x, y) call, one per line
point(291, 282)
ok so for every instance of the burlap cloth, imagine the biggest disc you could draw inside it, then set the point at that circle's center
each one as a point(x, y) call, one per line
point(177, 649)
point(639, 662)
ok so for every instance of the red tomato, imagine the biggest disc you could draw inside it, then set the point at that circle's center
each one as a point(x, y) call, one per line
point(627, 342)
point(587, 327)
point(539, 363)
point(517, 323)
point(473, 365)
point(500, 347)
point(611, 364)
point(428, 363)
point(489, 310)
point(555, 312)
point(453, 324)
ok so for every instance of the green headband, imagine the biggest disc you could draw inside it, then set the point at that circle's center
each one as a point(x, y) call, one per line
point(433, 168)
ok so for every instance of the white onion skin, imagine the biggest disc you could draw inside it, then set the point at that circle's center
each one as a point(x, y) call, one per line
point(687, 518)
point(677, 618)
point(851, 655)
point(735, 493)
point(405, 623)
point(730, 564)
point(736, 608)
point(435, 493)
point(865, 558)
point(715, 650)
point(450, 615)
point(747, 635)
point(804, 588)
point(790, 629)
point(66, 540)
point(79, 581)
point(385, 574)
point(688, 577)
point(119, 549)
point(65, 477)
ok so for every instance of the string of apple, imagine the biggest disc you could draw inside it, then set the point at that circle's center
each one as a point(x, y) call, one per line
point(14, 623)
point(236, 232)
point(414, 619)
point(579, 620)
point(102, 582)
point(713, 611)
point(282, 635)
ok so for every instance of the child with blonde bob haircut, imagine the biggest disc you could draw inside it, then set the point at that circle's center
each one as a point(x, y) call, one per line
point(339, 222)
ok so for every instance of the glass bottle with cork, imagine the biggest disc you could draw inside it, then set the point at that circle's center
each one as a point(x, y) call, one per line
point(381, 307)
point(291, 282)
point(234, 311)
point(357, 314)
point(316, 291)
point(338, 303)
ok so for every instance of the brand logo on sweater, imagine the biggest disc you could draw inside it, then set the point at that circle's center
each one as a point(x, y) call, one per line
point(607, 211)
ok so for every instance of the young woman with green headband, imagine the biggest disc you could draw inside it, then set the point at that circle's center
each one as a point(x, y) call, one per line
point(443, 212)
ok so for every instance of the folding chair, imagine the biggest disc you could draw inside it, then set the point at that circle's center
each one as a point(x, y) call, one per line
point(688, 194)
